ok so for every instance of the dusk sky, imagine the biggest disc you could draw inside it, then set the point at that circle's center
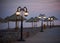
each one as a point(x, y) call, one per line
point(35, 7)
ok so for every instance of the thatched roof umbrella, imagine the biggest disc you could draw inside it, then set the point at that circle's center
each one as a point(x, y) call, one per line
point(36, 19)
point(1, 19)
point(46, 20)
point(14, 18)
point(50, 19)
point(53, 18)
point(7, 20)
point(32, 20)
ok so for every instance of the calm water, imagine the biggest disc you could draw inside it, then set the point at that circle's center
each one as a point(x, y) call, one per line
point(12, 25)
point(25, 24)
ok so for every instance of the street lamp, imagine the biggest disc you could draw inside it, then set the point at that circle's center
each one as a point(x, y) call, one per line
point(22, 11)
point(50, 19)
point(42, 17)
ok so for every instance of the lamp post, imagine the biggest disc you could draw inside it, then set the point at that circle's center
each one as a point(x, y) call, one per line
point(53, 22)
point(42, 17)
point(21, 11)
point(47, 23)
point(50, 19)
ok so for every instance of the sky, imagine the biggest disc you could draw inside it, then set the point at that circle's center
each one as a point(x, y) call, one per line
point(35, 7)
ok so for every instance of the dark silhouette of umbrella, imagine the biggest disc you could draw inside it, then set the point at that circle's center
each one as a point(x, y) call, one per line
point(7, 20)
point(1, 19)
point(54, 18)
point(36, 19)
point(32, 20)
point(14, 18)
point(46, 20)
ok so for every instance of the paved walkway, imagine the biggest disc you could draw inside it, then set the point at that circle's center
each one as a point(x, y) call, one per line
point(48, 36)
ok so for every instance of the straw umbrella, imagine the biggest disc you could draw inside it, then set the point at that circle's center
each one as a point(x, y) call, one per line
point(50, 20)
point(46, 20)
point(36, 19)
point(7, 20)
point(32, 20)
point(1, 20)
point(14, 18)
point(53, 19)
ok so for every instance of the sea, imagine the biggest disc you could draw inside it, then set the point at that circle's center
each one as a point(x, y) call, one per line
point(25, 24)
